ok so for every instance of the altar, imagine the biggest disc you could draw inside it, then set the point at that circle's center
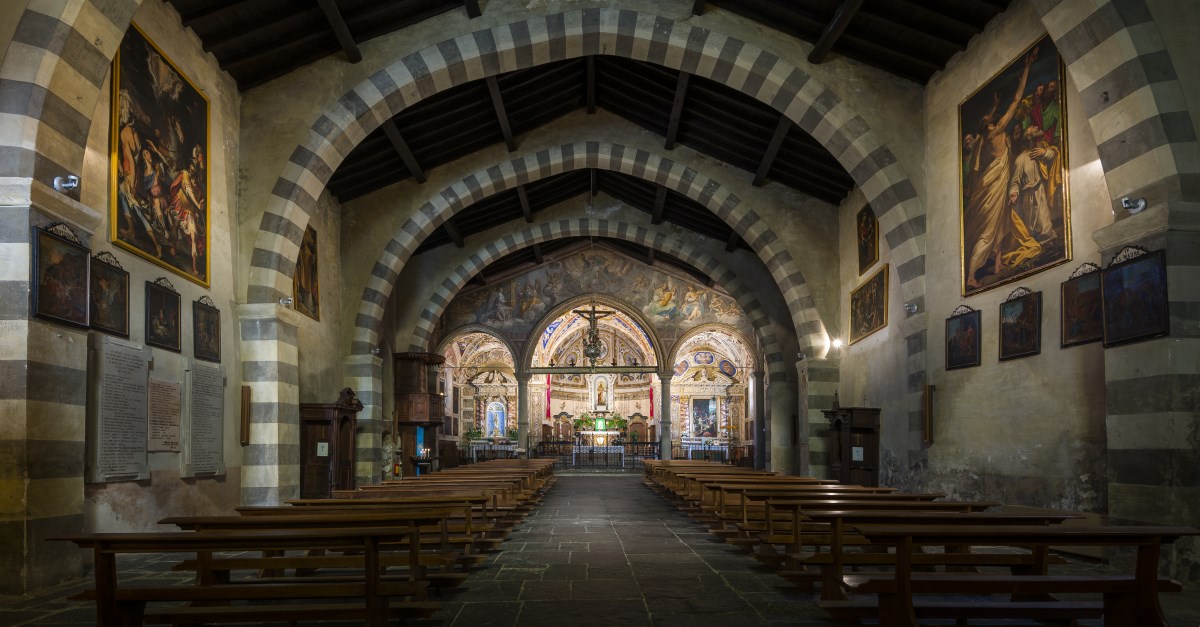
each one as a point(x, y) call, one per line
point(711, 449)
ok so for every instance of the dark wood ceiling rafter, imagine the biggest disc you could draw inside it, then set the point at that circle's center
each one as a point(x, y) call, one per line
point(768, 158)
point(338, 24)
point(673, 120)
point(501, 116)
point(402, 149)
point(833, 30)
point(526, 209)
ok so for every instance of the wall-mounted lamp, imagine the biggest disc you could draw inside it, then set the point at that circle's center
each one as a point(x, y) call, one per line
point(837, 343)
point(66, 183)
point(911, 308)
point(286, 301)
point(800, 355)
point(376, 351)
point(1133, 205)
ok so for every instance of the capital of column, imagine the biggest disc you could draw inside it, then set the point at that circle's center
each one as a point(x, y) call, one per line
point(268, 311)
point(522, 377)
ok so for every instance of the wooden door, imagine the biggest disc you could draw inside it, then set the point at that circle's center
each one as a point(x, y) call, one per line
point(344, 457)
point(316, 461)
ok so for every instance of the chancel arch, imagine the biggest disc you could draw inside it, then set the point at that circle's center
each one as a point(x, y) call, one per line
point(715, 373)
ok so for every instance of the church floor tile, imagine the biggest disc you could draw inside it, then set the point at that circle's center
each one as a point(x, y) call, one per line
point(600, 550)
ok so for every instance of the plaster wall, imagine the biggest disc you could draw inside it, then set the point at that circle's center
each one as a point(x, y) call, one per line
point(130, 506)
point(1178, 22)
point(320, 355)
point(1026, 431)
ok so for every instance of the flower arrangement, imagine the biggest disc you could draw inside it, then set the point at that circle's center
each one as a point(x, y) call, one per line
point(613, 422)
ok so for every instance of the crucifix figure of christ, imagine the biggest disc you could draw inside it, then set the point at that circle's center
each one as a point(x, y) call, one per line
point(591, 345)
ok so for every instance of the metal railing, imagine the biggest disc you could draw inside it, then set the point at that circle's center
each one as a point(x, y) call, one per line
point(626, 456)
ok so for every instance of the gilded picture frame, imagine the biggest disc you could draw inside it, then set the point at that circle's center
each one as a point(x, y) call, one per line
point(1014, 215)
point(158, 172)
point(868, 306)
point(306, 296)
point(867, 236)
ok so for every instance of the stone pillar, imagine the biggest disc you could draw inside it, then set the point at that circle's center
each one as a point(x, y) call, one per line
point(664, 419)
point(523, 409)
point(757, 413)
point(364, 375)
point(270, 366)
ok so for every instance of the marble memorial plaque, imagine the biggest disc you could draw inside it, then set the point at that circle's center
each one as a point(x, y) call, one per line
point(203, 449)
point(162, 431)
point(118, 376)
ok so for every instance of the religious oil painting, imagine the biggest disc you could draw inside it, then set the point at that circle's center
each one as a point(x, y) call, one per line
point(1082, 320)
point(963, 340)
point(305, 290)
point(162, 317)
point(1134, 294)
point(704, 418)
point(868, 239)
point(1015, 217)
point(60, 279)
point(868, 306)
point(109, 299)
point(1021, 326)
point(159, 206)
point(206, 331)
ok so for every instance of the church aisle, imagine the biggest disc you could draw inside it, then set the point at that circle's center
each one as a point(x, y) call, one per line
point(604, 550)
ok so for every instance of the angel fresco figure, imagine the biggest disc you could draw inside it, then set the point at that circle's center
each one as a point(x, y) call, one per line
point(662, 304)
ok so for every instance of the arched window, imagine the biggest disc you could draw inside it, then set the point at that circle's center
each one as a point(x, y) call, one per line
point(495, 419)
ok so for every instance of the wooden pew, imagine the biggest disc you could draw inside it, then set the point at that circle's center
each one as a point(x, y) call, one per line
point(831, 563)
point(1126, 599)
point(368, 598)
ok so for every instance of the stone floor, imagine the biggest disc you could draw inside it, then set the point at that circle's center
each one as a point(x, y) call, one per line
point(600, 550)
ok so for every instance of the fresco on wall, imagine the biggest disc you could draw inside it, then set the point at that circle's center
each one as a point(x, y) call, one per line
point(669, 302)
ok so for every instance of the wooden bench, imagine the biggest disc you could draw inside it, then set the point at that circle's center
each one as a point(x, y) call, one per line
point(1130, 599)
point(368, 598)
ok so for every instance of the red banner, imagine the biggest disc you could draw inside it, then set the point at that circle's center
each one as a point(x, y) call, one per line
point(651, 400)
point(547, 396)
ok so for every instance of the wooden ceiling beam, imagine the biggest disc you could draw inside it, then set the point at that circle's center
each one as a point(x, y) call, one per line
point(498, 105)
point(473, 10)
point(334, 16)
point(593, 182)
point(537, 254)
point(526, 210)
point(453, 232)
point(591, 84)
point(660, 205)
point(698, 7)
point(681, 85)
point(764, 166)
point(650, 256)
point(841, 19)
point(732, 243)
point(406, 155)
point(211, 11)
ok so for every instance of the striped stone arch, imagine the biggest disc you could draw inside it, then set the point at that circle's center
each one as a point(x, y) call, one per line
point(651, 237)
point(626, 33)
point(561, 308)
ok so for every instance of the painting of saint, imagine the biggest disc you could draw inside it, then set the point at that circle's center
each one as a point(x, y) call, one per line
point(206, 331)
point(1015, 218)
point(60, 282)
point(306, 296)
point(1082, 321)
point(962, 340)
point(1021, 326)
point(868, 238)
point(868, 306)
point(704, 418)
point(162, 317)
point(109, 299)
point(1134, 296)
point(159, 174)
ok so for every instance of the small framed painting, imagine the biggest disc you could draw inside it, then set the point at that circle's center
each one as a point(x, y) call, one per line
point(59, 286)
point(306, 294)
point(868, 306)
point(1134, 294)
point(162, 316)
point(206, 330)
point(962, 340)
point(1082, 320)
point(868, 239)
point(109, 297)
point(1021, 326)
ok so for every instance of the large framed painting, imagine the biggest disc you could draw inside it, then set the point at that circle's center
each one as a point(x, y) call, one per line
point(868, 239)
point(162, 317)
point(1082, 319)
point(868, 306)
point(963, 340)
point(159, 184)
point(59, 286)
point(1134, 296)
point(1021, 326)
point(1015, 217)
point(305, 289)
point(109, 297)
point(206, 330)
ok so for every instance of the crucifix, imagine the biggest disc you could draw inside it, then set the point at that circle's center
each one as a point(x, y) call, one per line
point(591, 345)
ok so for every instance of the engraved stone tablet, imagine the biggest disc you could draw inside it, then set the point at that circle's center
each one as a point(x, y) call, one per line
point(203, 451)
point(116, 410)
point(163, 426)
